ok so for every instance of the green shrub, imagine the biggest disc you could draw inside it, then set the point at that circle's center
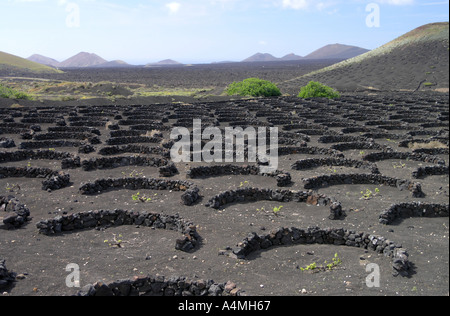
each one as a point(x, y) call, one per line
point(318, 90)
point(254, 87)
point(9, 93)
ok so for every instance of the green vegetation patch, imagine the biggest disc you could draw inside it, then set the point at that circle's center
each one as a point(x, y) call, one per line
point(253, 87)
point(318, 90)
point(8, 93)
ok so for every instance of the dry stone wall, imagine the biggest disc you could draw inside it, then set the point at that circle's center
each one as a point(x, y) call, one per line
point(160, 286)
point(106, 218)
point(54, 180)
point(416, 209)
point(13, 214)
point(7, 278)
point(329, 236)
point(371, 179)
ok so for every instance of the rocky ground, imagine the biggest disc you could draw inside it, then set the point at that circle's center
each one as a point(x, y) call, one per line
point(381, 143)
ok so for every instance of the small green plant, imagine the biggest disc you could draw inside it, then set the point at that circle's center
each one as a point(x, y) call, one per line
point(243, 184)
point(318, 90)
point(336, 261)
point(116, 242)
point(253, 87)
point(277, 210)
point(368, 195)
point(12, 188)
point(400, 165)
point(362, 153)
point(133, 174)
point(135, 197)
point(313, 267)
point(144, 199)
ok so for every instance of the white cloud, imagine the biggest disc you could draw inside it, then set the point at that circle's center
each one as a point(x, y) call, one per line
point(397, 2)
point(173, 7)
point(296, 4)
point(308, 4)
point(325, 4)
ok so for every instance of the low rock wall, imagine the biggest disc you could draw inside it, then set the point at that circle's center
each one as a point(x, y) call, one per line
point(160, 286)
point(379, 156)
point(105, 218)
point(116, 162)
point(283, 178)
point(14, 214)
point(416, 209)
point(371, 179)
point(190, 196)
point(7, 278)
point(22, 155)
point(314, 235)
point(254, 194)
point(54, 180)
point(423, 172)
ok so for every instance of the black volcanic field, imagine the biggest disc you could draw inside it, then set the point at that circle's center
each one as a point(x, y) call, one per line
point(362, 180)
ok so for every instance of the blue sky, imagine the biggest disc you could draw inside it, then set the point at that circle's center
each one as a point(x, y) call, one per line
point(203, 31)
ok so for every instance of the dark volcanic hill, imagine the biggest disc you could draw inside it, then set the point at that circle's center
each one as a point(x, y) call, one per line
point(114, 64)
point(291, 57)
point(83, 60)
point(165, 62)
point(337, 51)
point(260, 57)
point(334, 51)
point(416, 60)
point(44, 60)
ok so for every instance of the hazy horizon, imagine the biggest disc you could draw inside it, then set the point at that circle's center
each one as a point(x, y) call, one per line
point(204, 31)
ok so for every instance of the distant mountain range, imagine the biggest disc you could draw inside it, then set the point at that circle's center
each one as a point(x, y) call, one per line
point(81, 60)
point(334, 51)
point(89, 60)
point(260, 57)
